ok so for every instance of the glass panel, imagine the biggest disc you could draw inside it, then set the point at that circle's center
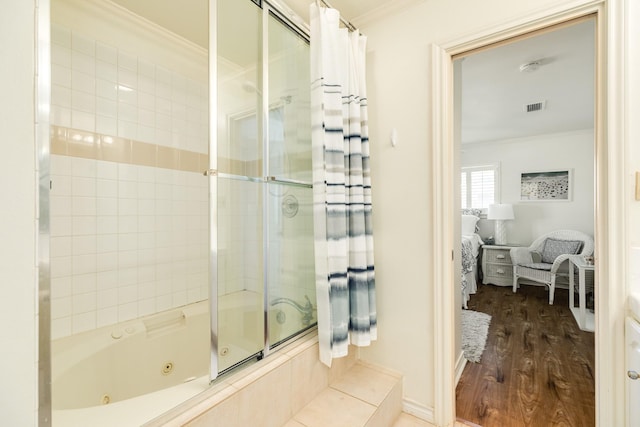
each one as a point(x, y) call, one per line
point(239, 88)
point(240, 272)
point(129, 210)
point(292, 294)
point(240, 211)
point(291, 263)
point(289, 103)
point(246, 226)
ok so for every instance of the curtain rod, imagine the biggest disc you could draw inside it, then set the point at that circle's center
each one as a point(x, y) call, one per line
point(346, 23)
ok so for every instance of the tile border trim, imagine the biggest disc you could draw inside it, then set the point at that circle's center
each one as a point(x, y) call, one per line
point(91, 145)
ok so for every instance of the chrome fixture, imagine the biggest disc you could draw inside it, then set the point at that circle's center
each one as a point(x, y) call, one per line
point(306, 310)
point(289, 206)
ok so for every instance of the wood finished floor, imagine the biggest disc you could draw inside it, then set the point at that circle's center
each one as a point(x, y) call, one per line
point(537, 368)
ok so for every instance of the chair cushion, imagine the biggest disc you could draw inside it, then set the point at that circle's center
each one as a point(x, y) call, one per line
point(538, 266)
point(553, 248)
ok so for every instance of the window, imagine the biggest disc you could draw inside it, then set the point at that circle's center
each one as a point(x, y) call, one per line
point(479, 186)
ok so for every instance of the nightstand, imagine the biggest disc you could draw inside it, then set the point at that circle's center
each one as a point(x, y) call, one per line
point(585, 318)
point(496, 265)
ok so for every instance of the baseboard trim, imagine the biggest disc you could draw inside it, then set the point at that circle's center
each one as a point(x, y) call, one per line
point(424, 412)
point(461, 362)
point(418, 410)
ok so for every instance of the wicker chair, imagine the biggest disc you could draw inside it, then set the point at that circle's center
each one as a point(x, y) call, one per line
point(546, 258)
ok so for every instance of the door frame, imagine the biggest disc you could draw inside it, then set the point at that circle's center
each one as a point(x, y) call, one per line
point(610, 224)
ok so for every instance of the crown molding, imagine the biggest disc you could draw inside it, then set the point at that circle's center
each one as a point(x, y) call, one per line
point(107, 9)
point(104, 16)
point(530, 138)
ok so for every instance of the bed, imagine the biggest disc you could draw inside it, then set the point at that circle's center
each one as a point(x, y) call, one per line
point(470, 246)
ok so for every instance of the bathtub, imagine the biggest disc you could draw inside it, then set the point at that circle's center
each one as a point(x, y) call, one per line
point(132, 372)
point(122, 361)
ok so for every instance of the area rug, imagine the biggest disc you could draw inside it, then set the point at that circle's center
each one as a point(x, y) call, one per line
point(475, 326)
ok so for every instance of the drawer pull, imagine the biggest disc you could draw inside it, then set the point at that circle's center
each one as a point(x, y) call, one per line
point(500, 256)
point(633, 375)
point(500, 271)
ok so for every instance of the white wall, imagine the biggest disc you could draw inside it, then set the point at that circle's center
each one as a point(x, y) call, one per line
point(633, 158)
point(574, 150)
point(18, 274)
point(399, 92)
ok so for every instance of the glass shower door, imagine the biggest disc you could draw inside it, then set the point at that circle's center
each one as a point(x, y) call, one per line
point(264, 258)
point(239, 208)
point(290, 264)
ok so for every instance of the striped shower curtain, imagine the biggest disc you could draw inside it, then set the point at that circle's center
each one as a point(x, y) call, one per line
point(345, 282)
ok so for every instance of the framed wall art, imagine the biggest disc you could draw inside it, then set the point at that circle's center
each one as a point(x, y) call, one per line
point(546, 186)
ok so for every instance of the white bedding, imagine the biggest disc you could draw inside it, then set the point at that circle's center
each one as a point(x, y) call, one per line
point(470, 248)
point(476, 241)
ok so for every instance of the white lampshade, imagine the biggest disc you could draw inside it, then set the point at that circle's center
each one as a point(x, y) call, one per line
point(500, 211)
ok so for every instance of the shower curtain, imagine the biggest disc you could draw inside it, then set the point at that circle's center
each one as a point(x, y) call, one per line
point(345, 282)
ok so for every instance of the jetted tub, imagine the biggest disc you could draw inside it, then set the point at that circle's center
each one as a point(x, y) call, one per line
point(132, 372)
point(118, 362)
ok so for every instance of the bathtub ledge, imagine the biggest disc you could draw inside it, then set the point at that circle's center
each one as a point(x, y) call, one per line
point(232, 386)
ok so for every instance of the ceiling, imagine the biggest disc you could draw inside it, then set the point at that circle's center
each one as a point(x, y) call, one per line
point(189, 19)
point(494, 90)
point(351, 10)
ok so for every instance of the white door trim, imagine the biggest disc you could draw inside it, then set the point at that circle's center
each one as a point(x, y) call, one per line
point(610, 227)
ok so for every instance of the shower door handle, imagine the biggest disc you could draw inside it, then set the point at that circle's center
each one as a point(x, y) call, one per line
point(286, 181)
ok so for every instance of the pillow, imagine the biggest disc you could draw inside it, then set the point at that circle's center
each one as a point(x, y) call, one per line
point(472, 211)
point(475, 212)
point(469, 224)
point(553, 248)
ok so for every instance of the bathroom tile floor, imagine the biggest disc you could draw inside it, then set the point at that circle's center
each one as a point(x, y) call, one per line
point(363, 396)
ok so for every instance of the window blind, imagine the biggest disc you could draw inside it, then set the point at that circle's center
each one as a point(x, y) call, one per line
point(478, 186)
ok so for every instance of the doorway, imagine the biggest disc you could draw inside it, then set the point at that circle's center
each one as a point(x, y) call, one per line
point(608, 146)
point(527, 108)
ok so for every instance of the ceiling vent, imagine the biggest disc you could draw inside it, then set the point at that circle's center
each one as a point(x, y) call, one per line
point(535, 106)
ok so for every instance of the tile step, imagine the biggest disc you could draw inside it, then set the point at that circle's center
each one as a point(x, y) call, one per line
point(365, 396)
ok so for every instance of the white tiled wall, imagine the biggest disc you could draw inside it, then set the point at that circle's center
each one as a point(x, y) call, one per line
point(98, 88)
point(126, 241)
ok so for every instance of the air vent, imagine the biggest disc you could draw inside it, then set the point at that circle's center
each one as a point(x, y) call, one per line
point(535, 106)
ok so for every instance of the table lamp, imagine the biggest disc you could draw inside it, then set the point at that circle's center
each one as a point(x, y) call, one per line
point(500, 213)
